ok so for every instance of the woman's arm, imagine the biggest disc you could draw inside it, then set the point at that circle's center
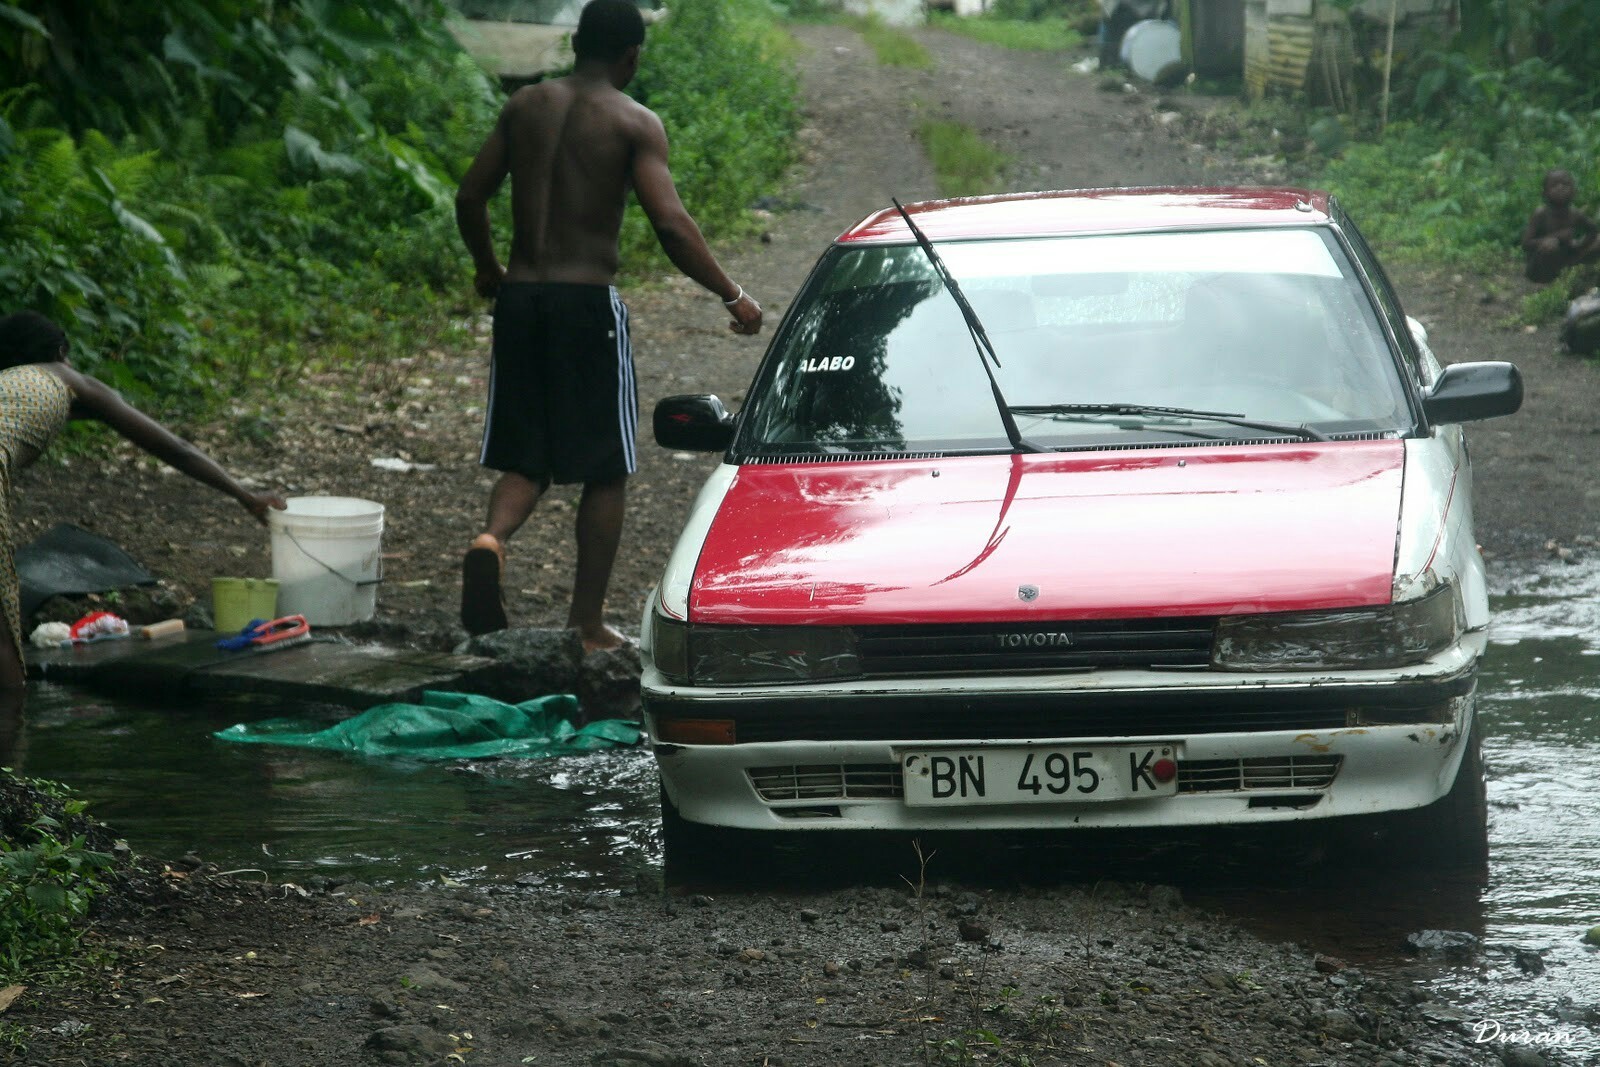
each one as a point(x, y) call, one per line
point(94, 399)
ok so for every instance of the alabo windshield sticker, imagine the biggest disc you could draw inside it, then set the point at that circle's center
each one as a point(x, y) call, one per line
point(819, 364)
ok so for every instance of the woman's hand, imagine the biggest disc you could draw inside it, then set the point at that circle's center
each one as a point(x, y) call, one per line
point(258, 503)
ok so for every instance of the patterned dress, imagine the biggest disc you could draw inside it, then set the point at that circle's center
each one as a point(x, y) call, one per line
point(33, 408)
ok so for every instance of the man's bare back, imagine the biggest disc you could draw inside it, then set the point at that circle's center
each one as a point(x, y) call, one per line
point(570, 144)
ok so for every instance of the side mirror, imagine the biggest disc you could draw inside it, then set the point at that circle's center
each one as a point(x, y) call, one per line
point(1466, 392)
point(694, 423)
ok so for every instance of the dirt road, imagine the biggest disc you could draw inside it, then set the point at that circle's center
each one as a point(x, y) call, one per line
point(1533, 471)
point(223, 973)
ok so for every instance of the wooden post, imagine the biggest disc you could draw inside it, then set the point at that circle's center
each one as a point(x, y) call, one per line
point(1388, 65)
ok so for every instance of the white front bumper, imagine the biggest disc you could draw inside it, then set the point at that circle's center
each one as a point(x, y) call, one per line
point(1379, 768)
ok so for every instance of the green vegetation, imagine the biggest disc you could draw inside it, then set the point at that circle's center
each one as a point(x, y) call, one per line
point(1472, 126)
point(1040, 35)
point(1454, 179)
point(963, 163)
point(894, 48)
point(717, 72)
point(48, 877)
point(274, 195)
point(244, 190)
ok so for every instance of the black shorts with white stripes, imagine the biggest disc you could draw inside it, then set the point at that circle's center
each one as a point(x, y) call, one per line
point(563, 404)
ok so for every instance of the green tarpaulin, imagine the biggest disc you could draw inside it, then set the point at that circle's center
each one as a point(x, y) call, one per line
point(449, 726)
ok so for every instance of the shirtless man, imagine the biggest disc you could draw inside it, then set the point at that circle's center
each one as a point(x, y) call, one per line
point(562, 398)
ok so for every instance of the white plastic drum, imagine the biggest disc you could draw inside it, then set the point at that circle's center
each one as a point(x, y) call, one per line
point(1152, 49)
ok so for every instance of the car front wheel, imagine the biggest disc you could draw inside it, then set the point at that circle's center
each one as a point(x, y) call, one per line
point(1449, 836)
point(690, 850)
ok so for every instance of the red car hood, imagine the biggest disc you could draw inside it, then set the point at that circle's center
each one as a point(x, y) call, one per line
point(1192, 531)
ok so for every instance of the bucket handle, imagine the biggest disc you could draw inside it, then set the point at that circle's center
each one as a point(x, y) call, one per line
point(358, 583)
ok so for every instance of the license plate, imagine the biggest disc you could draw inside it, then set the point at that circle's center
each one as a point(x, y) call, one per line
point(1038, 774)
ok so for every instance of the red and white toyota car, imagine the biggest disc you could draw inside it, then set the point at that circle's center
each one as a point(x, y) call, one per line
point(1102, 508)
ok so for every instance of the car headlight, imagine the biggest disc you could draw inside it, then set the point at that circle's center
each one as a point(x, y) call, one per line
point(752, 655)
point(1393, 635)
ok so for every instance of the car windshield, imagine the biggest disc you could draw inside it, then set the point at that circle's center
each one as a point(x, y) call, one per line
point(1093, 335)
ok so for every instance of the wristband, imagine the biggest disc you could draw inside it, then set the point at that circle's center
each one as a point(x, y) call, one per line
point(738, 297)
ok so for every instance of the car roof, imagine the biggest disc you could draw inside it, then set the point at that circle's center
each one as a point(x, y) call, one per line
point(1071, 212)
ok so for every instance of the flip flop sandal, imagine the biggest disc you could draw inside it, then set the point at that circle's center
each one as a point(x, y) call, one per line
point(483, 607)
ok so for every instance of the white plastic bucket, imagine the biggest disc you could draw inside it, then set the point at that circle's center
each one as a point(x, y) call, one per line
point(1152, 48)
point(327, 558)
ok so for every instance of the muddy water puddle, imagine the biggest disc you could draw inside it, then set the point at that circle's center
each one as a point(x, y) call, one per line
point(160, 779)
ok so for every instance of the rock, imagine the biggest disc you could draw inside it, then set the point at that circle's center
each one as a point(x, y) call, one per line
point(140, 605)
point(809, 915)
point(608, 684)
point(1521, 1056)
point(1338, 1025)
point(384, 1007)
point(410, 1044)
point(528, 663)
point(1580, 330)
point(972, 931)
point(1592, 937)
point(1444, 1014)
point(1165, 898)
point(1448, 944)
point(427, 980)
point(645, 1052)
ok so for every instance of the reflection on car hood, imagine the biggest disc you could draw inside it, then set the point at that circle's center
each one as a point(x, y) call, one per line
point(1137, 534)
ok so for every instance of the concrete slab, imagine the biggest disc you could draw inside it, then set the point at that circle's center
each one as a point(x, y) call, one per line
point(356, 676)
point(325, 672)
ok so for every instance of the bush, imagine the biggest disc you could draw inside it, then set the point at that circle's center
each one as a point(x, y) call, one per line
point(716, 73)
point(48, 875)
point(1454, 180)
point(282, 197)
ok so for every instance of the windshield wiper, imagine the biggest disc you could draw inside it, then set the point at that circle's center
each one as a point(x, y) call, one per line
point(980, 336)
point(1300, 430)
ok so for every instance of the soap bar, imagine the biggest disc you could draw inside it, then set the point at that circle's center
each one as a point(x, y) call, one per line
point(162, 629)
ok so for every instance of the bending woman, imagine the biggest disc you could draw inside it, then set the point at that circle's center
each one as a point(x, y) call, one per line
point(39, 392)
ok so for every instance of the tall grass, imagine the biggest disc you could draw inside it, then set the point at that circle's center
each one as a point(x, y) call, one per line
point(964, 163)
point(893, 47)
point(1040, 35)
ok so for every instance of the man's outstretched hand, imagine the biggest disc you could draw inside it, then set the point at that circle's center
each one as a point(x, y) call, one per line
point(487, 282)
point(746, 315)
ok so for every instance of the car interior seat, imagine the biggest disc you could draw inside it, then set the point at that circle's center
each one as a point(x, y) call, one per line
point(1248, 328)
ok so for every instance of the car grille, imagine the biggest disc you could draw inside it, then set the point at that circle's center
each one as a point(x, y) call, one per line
point(891, 651)
point(881, 781)
point(849, 781)
point(1268, 772)
point(1009, 719)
